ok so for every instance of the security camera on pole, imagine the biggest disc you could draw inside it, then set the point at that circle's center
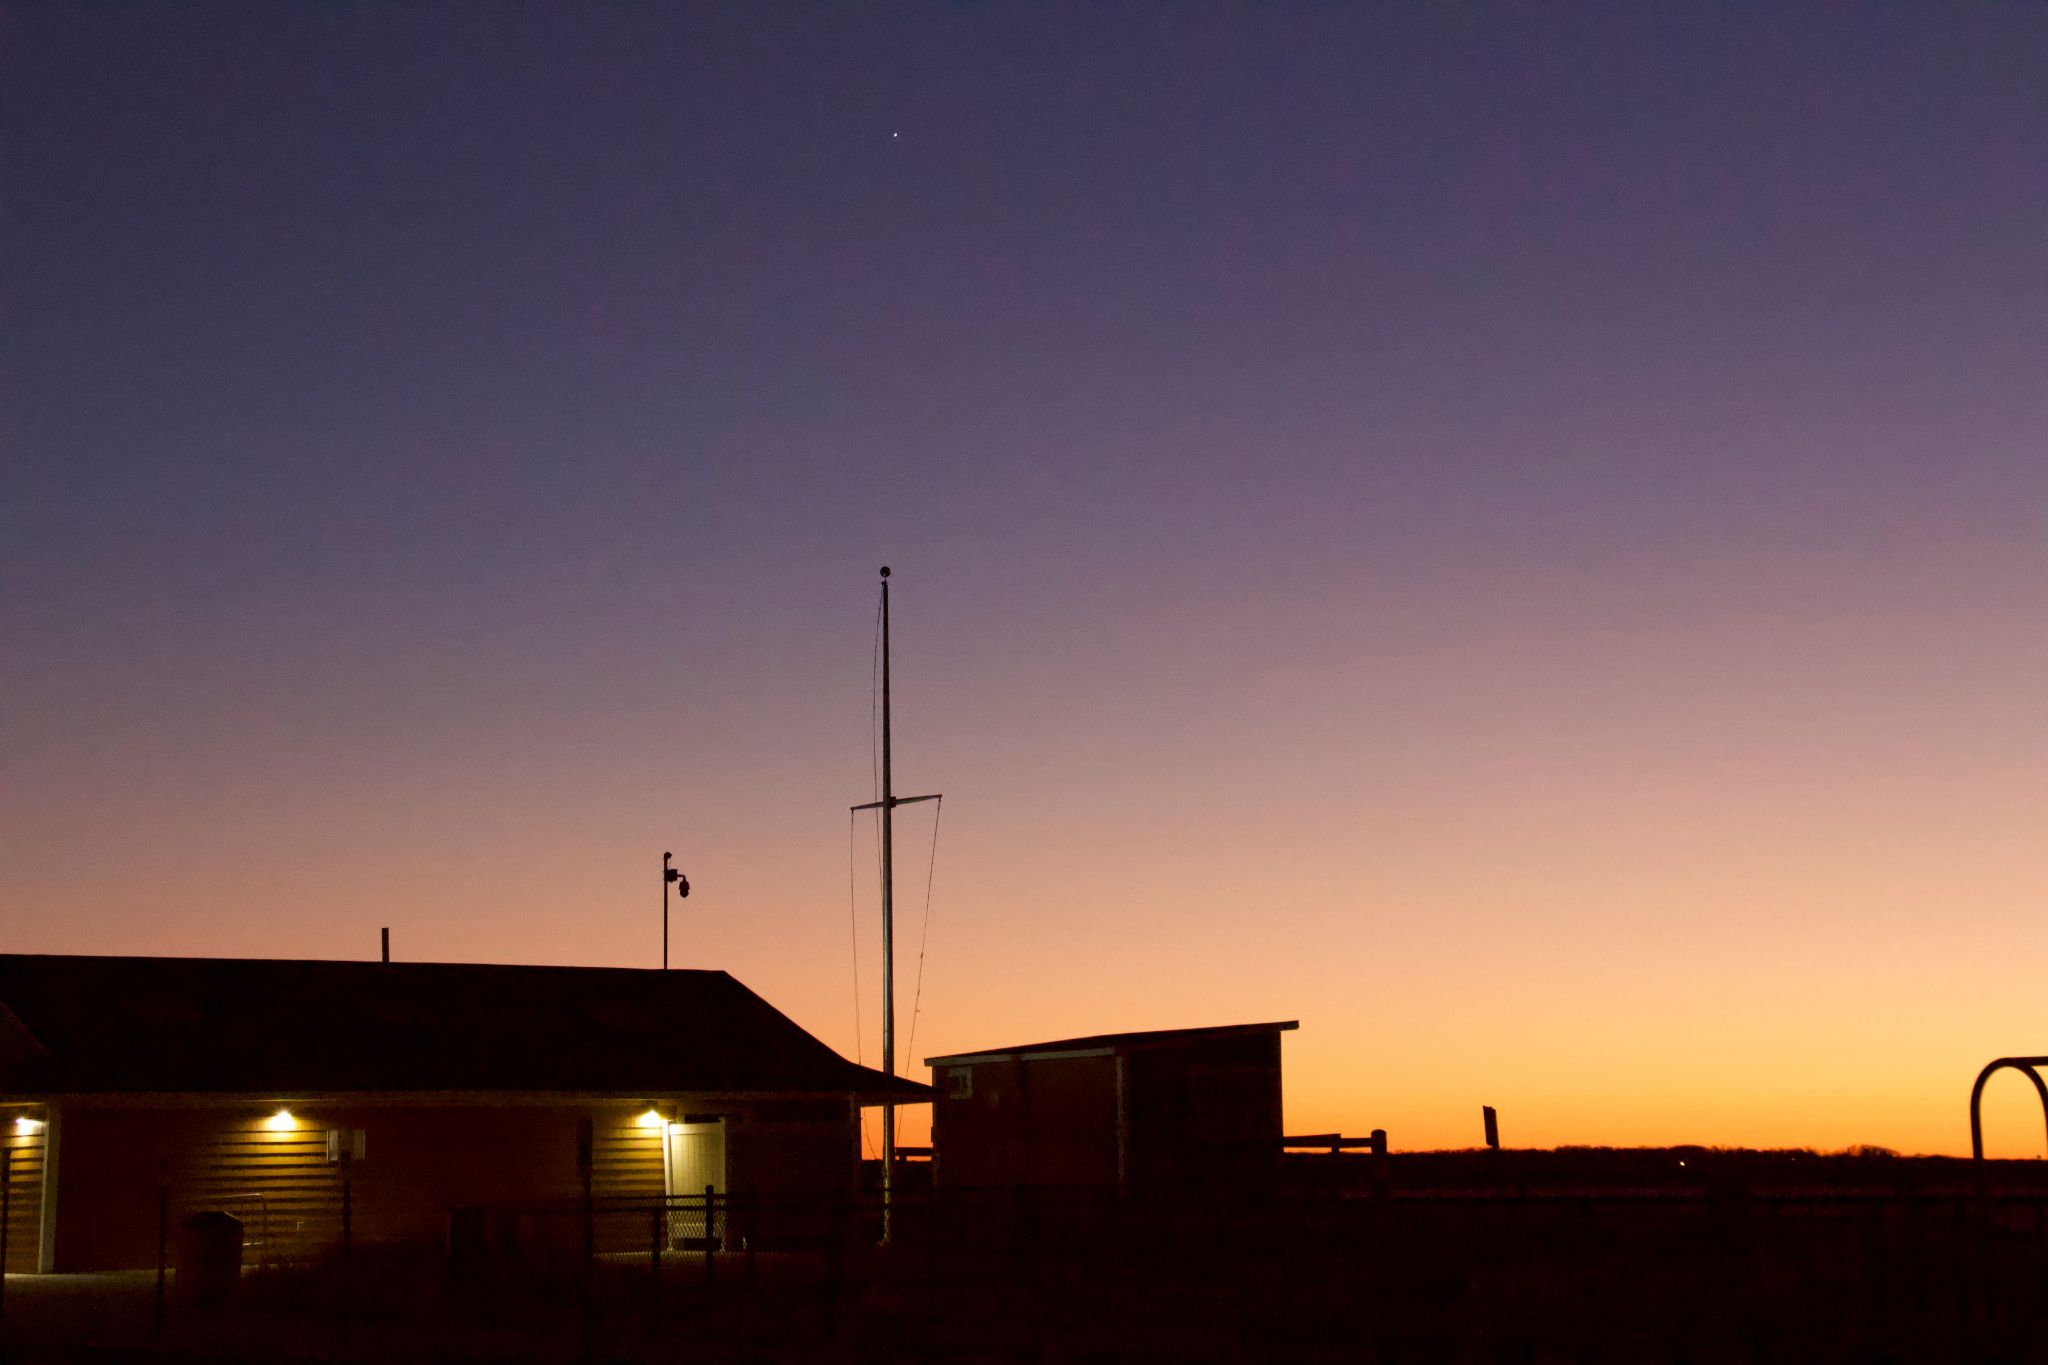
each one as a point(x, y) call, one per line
point(670, 877)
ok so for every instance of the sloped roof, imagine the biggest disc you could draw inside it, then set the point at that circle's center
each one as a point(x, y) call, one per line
point(1112, 1042)
point(164, 1025)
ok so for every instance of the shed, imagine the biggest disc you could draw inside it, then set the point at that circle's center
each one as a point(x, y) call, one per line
point(1169, 1108)
point(252, 1086)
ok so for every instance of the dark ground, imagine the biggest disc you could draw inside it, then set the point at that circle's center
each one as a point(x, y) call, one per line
point(1568, 1256)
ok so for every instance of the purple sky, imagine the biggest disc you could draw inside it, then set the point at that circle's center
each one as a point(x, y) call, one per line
point(1326, 452)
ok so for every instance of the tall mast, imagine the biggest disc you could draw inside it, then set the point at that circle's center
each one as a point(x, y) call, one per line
point(888, 929)
point(887, 805)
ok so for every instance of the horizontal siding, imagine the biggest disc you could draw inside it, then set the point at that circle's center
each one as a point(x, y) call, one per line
point(279, 1184)
point(419, 1163)
point(289, 1197)
point(626, 1163)
point(24, 1196)
point(625, 1156)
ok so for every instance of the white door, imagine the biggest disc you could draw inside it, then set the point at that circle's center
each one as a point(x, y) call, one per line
point(694, 1157)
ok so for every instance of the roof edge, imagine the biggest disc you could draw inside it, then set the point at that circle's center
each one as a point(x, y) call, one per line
point(1104, 1044)
point(364, 962)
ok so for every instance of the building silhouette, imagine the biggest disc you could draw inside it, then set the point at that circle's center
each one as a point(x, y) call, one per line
point(1132, 1112)
point(259, 1087)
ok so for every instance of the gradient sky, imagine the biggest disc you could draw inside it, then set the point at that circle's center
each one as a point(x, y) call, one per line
point(1517, 536)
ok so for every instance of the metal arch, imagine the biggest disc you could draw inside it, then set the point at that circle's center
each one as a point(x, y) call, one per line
point(2025, 1065)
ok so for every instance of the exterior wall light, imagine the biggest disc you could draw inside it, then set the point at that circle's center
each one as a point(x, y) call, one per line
point(650, 1119)
point(26, 1127)
point(281, 1122)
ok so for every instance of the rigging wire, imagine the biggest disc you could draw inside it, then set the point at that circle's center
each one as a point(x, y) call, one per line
point(923, 934)
point(853, 924)
point(852, 843)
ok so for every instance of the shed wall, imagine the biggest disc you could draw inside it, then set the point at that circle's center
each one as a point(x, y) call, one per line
point(1195, 1111)
point(1042, 1122)
point(1204, 1112)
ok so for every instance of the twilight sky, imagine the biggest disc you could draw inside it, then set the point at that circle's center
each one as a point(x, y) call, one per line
point(1515, 536)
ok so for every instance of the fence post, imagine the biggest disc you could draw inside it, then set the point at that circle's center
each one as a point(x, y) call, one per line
point(586, 1144)
point(655, 1214)
point(348, 1190)
point(163, 1241)
point(1027, 1232)
point(835, 1267)
point(751, 1235)
point(2040, 1226)
point(710, 1228)
point(6, 1220)
point(1966, 1248)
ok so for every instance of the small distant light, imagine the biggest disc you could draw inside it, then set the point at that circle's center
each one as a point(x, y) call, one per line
point(651, 1119)
point(26, 1126)
point(281, 1122)
point(1681, 1163)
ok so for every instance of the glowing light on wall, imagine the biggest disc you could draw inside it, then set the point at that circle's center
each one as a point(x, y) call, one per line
point(27, 1126)
point(650, 1119)
point(281, 1122)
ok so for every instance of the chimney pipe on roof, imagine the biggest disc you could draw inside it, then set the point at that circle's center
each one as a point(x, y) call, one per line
point(386, 932)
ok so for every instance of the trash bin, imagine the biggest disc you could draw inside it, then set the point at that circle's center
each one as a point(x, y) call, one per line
point(466, 1234)
point(208, 1259)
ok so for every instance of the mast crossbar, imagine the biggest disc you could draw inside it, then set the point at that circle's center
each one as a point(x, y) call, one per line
point(895, 801)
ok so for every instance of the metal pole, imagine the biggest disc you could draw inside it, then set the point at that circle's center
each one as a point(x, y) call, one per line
point(2026, 1066)
point(670, 877)
point(888, 939)
point(887, 806)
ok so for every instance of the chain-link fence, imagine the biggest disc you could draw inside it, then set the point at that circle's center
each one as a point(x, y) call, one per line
point(1273, 1272)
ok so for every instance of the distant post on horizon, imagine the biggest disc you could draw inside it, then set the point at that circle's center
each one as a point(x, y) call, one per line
point(1492, 1127)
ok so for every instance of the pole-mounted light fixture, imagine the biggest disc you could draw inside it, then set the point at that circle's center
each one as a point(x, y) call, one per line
point(670, 877)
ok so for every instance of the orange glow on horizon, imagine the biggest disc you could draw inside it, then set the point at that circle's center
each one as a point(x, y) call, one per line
point(1600, 874)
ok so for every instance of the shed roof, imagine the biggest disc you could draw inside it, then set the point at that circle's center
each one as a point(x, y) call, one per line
point(1111, 1043)
point(166, 1025)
